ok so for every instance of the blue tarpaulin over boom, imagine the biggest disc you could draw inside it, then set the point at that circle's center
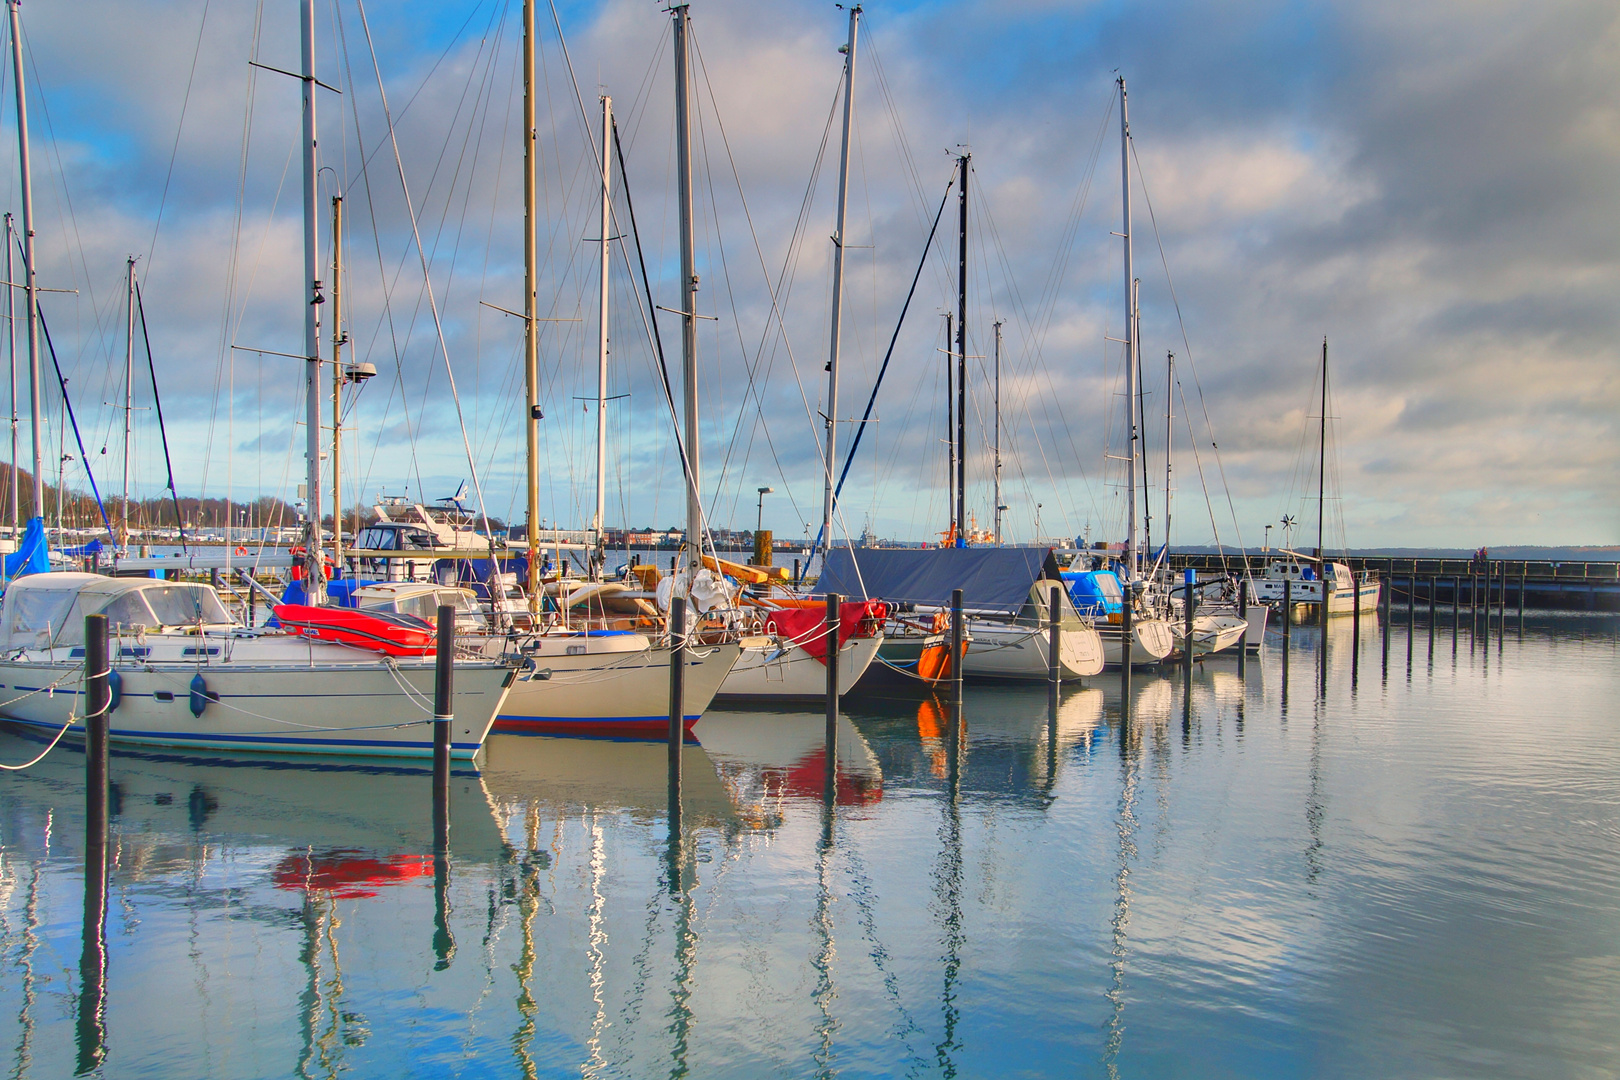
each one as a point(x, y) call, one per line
point(32, 556)
point(991, 579)
point(94, 547)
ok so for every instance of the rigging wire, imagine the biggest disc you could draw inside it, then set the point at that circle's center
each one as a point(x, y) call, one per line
point(438, 327)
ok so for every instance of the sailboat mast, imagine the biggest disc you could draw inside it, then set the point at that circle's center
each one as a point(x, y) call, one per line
point(339, 339)
point(961, 352)
point(314, 577)
point(950, 426)
point(838, 284)
point(998, 433)
point(1141, 424)
point(31, 291)
point(689, 287)
point(531, 328)
point(1130, 333)
point(129, 396)
point(599, 522)
point(11, 352)
point(1321, 458)
point(1169, 435)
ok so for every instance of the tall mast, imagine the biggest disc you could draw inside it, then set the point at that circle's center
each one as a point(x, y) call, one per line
point(961, 353)
point(31, 292)
point(689, 287)
point(998, 433)
point(1130, 333)
point(599, 522)
point(531, 339)
point(339, 339)
point(950, 426)
point(1169, 434)
point(314, 578)
point(1321, 455)
point(1141, 423)
point(129, 397)
point(838, 282)
point(11, 331)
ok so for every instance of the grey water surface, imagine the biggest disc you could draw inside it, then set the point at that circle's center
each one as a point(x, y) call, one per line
point(1414, 871)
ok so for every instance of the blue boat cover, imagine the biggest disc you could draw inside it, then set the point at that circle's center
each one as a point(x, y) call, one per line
point(32, 556)
point(995, 579)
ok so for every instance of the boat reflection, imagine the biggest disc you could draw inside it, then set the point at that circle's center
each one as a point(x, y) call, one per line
point(765, 758)
point(560, 776)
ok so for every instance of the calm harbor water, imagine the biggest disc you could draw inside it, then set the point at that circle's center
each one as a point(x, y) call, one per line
point(1412, 873)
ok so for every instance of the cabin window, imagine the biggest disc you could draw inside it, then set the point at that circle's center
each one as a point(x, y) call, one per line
point(128, 612)
point(31, 612)
point(182, 605)
point(374, 539)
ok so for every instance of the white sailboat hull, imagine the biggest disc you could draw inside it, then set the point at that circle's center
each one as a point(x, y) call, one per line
point(618, 693)
point(359, 707)
point(768, 668)
point(1010, 651)
point(1151, 641)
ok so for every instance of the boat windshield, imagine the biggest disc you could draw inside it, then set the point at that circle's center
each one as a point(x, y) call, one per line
point(182, 605)
point(374, 539)
point(35, 613)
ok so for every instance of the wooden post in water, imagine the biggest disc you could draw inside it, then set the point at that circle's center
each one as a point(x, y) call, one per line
point(1433, 582)
point(958, 633)
point(1188, 577)
point(1288, 610)
point(1243, 613)
point(444, 673)
point(830, 784)
point(1501, 605)
point(92, 1025)
point(1411, 616)
point(1523, 573)
point(1473, 599)
point(1386, 602)
point(1355, 634)
point(1054, 644)
point(1127, 633)
point(677, 705)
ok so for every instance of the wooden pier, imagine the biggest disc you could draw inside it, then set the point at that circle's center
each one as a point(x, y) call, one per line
point(1561, 586)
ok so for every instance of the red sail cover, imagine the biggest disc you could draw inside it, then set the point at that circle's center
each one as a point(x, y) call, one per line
point(805, 627)
point(380, 631)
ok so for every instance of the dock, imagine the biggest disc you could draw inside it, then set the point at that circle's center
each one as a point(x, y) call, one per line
point(1560, 586)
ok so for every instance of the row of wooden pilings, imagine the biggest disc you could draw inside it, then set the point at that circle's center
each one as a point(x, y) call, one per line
point(92, 1005)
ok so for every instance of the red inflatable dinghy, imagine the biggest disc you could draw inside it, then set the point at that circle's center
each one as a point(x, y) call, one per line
point(380, 631)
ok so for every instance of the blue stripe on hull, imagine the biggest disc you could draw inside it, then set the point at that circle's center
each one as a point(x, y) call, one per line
point(371, 747)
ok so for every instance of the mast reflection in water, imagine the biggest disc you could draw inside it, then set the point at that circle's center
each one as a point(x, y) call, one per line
point(1176, 881)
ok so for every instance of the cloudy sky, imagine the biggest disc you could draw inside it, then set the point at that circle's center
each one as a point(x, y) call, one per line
point(1432, 188)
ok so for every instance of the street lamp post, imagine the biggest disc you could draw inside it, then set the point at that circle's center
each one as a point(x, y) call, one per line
point(759, 518)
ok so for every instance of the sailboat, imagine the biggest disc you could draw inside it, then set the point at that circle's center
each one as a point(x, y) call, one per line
point(579, 678)
point(1151, 639)
point(185, 673)
point(789, 661)
point(1302, 581)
